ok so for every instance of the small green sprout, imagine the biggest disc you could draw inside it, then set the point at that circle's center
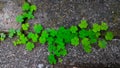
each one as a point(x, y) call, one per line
point(83, 33)
point(11, 32)
point(37, 28)
point(104, 26)
point(30, 46)
point(86, 45)
point(75, 41)
point(20, 19)
point(96, 27)
point(33, 8)
point(25, 26)
point(33, 36)
point(73, 29)
point(52, 59)
point(83, 24)
point(2, 36)
point(30, 15)
point(102, 43)
point(23, 39)
point(26, 6)
point(109, 36)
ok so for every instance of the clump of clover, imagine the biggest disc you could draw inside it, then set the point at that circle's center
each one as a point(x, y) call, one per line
point(57, 39)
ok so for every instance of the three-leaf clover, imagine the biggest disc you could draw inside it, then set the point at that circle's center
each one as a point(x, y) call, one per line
point(25, 6)
point(83, 24)
point(96, 27)
point(20, 18)
point(25, 26)
point(102, 43)
point(83, 33)
point(104, 26)
point(2, 36)
point(73, 29)
point(52, 59)
point(75, 41)
point(37, 28)
point(11, 32)
point(33, 8)
point(109, 36)
point(33, 36)
point(29, 46)
point(86, 45)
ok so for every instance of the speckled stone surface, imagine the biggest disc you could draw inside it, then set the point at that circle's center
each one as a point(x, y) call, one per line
point(56, 13)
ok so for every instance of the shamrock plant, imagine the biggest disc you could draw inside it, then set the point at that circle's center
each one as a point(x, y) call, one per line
point(11, 32)
point(25, 26)
point(56, 39)
point(37, 28)
point(83, 24)
point(2, 36)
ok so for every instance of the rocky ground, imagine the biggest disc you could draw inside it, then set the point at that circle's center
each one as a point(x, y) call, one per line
point(55, 13)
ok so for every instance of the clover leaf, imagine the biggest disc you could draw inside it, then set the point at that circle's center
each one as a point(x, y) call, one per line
point(33, 36)
point(33, 8)
point(23, 39)
point(109, 35)
point(75, 41)
point(25, 6)
point(52, 59)
point(25, 26)
point(83, 24)
point(18, 32)
point(16, 42)
point(2, 36)
point(30, 15)
point(102, 43)
point(96, 27)
point(86, 45)
point(11, 32)
point(52, 32)
point(37, 28)
point(104, 26)
point(29, 46)
point(73, 29)
point(83, 33)
point(42, 40)
point(20, 19)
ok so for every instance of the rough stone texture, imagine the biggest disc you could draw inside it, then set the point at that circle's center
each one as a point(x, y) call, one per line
point(55, 13)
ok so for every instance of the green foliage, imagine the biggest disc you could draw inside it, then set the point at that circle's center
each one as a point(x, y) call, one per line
point(23, 39)
point(33, 36)
point(25, 6)
point(83, 24)
point(83, 33)
point(102, 43)
point(96, 27)
point(109, 36)
point(30, 15)
point(52, 59)
point(11, 32)
point(30, 46)
point(73, 29)
point(37, 28)
point(2, 36)
point(86, 45)
point(25, 26)
point(75, 41)
point(19, 19)
point(33, 8)
point(57, 38)
point(104, 26)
